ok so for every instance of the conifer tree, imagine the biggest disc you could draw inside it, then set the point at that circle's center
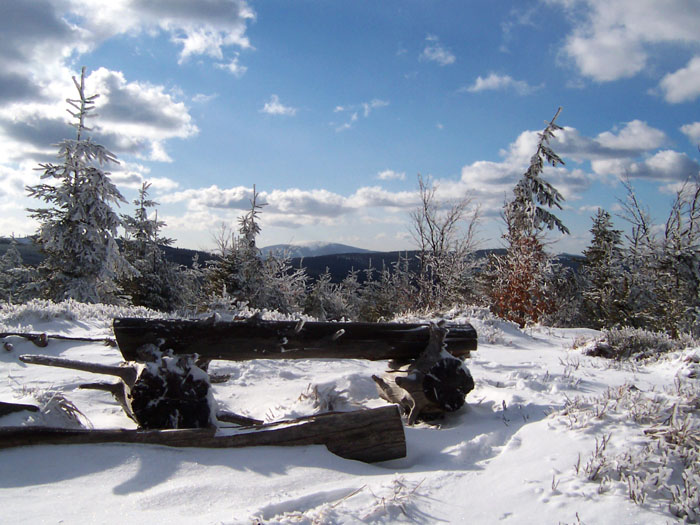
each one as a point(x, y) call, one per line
point(518, 283)
point(77, 231)
point(15, 277)
point(159, 283)
point(603, 276)
point(243, 275)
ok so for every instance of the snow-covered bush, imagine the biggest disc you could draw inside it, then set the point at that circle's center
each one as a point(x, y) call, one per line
point(662, 463)
point(637, 343)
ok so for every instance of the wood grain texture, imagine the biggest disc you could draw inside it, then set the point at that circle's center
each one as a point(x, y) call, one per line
point(365, 435)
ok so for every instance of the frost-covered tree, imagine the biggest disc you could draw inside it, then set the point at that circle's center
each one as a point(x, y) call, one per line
point(444, 232)
point(393, 291)
point(159, 284)
point(15, 277)
point(77, 231)
point(603, 276)
point(244, 275)
point(519, 282)
point(664, 264)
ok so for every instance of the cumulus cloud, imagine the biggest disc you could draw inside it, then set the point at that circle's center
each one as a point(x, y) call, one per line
point(293, 207)
point(496, 82)
point(42, 40)
point(275, 107)
point(684, 84)
point(391, 175)
point(133, 175)
point(665, 166)
point(435, 52)
point(692, 131)
point(614, 40)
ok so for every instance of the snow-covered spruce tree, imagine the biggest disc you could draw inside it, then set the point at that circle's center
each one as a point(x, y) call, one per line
point(159, 283)
point(519, 283)
point(77, 231)
point(15, 278)
point(603, 276)
point(243, 275)
point(445, 235)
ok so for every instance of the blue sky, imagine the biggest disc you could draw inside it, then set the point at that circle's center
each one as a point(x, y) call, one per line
point(333, 108)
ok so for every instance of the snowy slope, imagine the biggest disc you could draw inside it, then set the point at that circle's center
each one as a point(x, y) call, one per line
point(509, 456)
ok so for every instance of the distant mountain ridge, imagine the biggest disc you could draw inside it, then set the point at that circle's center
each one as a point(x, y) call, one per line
point(311, 249)
point(338, 258)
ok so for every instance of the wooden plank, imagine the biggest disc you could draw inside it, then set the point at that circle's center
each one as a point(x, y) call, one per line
point(244, 340)
point(365, 435)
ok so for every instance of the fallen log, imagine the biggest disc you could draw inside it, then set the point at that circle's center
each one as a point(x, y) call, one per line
point(432, 385)
point(366, 435)
point(9, 408)
point(41, 338)
point(258, 339)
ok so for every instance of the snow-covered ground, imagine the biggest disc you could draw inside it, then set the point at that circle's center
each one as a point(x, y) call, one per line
point(521, 451)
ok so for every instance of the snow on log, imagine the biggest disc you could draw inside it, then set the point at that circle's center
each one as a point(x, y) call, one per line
point(432, 385)
point(164, 392)
point(259, 339)
point(365, 435)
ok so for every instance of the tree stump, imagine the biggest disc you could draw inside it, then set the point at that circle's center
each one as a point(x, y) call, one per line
point(430, 386)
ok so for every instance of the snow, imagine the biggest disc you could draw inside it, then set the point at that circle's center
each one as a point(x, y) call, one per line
point(508, 456)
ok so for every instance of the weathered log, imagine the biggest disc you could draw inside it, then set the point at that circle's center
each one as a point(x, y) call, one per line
point(41, 338)
point(432, 385)
point(258, 339)
point(128, 374)
point(227, 416)
point(167, 392)
point(366, 435)
point(9, 408)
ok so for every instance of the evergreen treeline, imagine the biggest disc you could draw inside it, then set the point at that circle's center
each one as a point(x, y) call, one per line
point(647, 279)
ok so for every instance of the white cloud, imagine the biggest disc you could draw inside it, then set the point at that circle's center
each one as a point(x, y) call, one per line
point(275, 107)
point(233, 67)
point(199, 28)
point(435, 52)
point(663, 166)
point(635, 135)
point(494, 82)
point(201, 98)
point(133, 175)
point(354, 111)
point(692, 131)
point(391, 175)
point(614, 40)
point(684, 84)
point(135, 116)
